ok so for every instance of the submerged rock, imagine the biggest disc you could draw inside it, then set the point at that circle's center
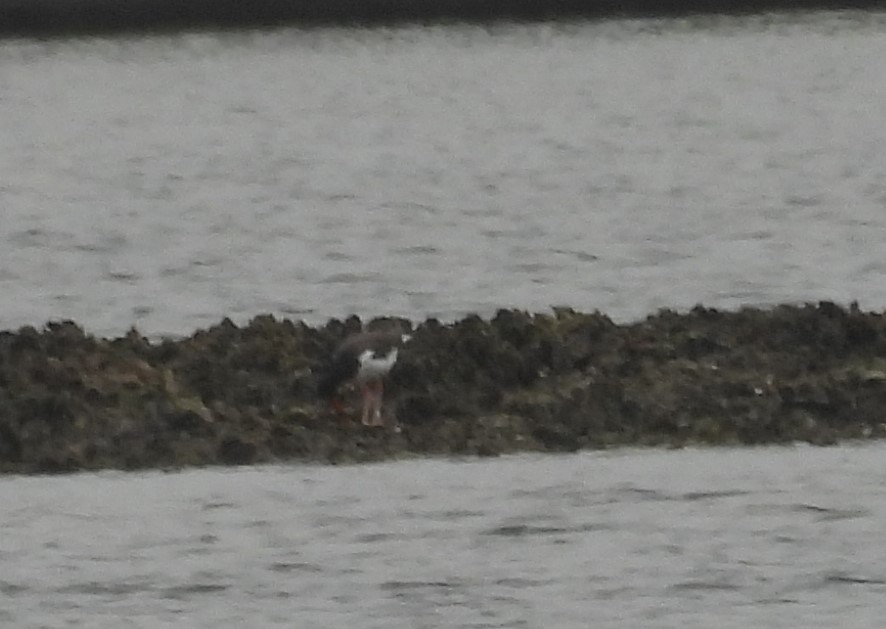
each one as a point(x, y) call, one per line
point(519, 381)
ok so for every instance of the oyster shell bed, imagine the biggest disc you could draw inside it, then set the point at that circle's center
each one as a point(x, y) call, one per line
point(516, 382)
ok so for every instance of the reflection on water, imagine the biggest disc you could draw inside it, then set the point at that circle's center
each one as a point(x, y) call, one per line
point(775, 537)
point(620, 165)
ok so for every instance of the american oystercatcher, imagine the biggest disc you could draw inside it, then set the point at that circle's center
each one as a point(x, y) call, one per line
point(365, 359)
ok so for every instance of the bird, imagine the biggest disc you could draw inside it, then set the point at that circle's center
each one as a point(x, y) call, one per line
point(364, 358)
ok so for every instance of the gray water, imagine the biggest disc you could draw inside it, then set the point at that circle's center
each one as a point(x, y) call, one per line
point(774, 537)
point(167, 182)
point(170, 181)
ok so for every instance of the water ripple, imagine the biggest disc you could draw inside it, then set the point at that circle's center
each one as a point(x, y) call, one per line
point(240, 192)
point(649, 536)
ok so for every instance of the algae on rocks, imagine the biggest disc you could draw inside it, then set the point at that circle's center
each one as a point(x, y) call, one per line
point(519, 381)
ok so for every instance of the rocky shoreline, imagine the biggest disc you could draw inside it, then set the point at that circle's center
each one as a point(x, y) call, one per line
point(519, 382)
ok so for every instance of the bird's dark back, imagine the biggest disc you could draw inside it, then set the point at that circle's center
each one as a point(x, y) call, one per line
point(379, 343)
point(345, 361)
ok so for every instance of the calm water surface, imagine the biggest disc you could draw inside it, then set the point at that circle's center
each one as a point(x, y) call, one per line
point(170, 181)
point(774, 537)
point(628, 165)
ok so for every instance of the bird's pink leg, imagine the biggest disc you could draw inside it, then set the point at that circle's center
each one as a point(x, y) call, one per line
point(367, 397)
point(372, 407)
point(379, 395)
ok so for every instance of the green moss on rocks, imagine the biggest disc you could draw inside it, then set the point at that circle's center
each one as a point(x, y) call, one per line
point(519, 381)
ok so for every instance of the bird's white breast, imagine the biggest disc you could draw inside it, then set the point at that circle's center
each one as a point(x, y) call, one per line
point(372, 366)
